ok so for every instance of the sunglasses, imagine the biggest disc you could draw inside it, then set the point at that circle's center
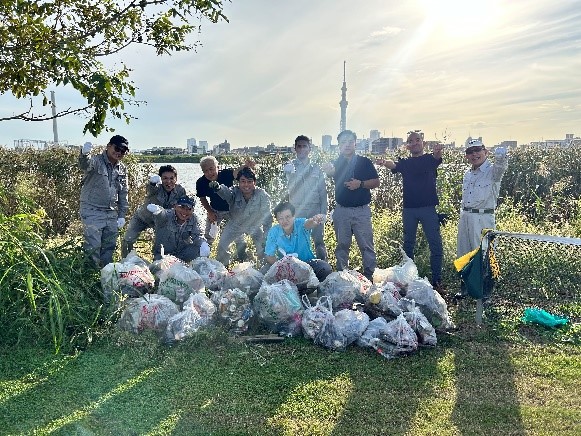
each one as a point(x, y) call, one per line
point(121, 149)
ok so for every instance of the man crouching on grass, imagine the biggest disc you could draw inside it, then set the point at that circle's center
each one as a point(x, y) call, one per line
point(293, 236)
point(178, 230)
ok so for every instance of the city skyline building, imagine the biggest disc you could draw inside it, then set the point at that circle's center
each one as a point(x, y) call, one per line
point(191, 145)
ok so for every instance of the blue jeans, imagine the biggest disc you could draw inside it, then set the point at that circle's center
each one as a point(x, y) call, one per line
point(427, 216)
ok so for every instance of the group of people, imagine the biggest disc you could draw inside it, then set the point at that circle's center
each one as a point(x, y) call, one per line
point(245, 209)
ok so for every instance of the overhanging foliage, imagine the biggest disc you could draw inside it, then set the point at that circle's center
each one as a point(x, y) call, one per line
point(64, 42)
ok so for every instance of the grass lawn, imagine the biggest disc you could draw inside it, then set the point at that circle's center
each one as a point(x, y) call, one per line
point(497, 379)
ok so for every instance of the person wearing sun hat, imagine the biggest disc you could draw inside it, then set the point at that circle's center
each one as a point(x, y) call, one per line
point(480, 190)
point(178, 230)
point(104, 201)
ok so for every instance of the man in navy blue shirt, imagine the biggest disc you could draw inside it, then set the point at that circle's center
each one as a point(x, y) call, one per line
point(420, 199)
point(354, 178)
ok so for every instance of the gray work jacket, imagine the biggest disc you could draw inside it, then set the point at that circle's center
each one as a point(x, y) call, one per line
point(104, 184)
point(307, 191)
point(173, 236)
point(155, 194)
point(247, 215)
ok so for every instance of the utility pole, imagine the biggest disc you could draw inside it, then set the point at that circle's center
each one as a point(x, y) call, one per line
point(54, 126)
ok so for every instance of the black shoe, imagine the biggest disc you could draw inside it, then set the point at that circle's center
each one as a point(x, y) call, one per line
point(459, 296)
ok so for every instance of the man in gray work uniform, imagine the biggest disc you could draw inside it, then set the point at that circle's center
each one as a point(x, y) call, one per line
point(249, 214)
point(103, 198)
point(307, 191)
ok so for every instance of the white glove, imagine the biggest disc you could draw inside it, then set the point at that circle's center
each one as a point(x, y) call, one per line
point(500, 151)
point(289, 167)
point(214, 185)
point(120, 222)
point(155, 179)
point(154, 208)
point(204, 249)
point(213, 230)
point(87, 146)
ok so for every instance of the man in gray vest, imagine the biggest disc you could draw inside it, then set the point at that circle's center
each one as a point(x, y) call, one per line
point(103, 198)
point(307, 191)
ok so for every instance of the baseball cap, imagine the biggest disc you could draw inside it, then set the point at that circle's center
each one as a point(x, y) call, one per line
point(120, 141)
point(185, 201)
point(474, 145)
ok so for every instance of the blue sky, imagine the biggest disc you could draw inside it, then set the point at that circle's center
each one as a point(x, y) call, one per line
point(500, 69)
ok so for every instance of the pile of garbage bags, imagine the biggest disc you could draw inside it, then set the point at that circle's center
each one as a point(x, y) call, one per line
point(393, 315)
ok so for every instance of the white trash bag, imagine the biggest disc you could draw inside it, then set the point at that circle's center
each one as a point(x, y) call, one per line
point(150, 312)
point(211, 271)
point(245, 277)
point(294, 270)
point(279, 307)
point(402, 275)
point(342, 287)
point(178, 282)
point(398, 339)
point(125, 279)
point(351, 324)
point(430, 302)
point(383, 299)
point(198, 312)
point(425, 331)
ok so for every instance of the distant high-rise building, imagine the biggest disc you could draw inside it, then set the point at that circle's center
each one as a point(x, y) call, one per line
point(374, 134)
point(224, 147)
point(385, 145)
point(326, 142)
point(191, 145)
point(343, 102)
point(202, 147)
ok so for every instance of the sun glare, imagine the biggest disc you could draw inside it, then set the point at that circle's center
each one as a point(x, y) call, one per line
point(462, 18)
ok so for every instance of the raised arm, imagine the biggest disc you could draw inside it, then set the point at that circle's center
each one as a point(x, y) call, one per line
point(248, 163)
point(314, 221)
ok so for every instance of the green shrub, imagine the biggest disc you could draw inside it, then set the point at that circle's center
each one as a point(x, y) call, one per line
point(45, 290)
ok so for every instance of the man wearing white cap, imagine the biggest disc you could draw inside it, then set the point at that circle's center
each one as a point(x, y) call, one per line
point(480, 190)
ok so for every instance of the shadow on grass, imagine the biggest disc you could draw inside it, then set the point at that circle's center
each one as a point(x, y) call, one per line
point(486, 392)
